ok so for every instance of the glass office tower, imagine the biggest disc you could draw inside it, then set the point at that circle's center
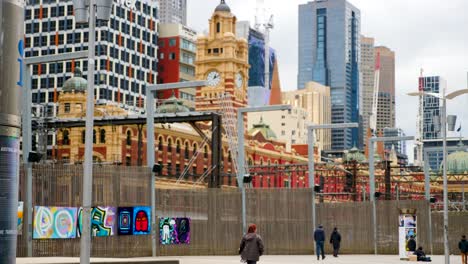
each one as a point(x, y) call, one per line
point(329, 53)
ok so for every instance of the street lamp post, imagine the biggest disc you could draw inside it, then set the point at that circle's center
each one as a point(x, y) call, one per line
point(100, 10)
point(151, 93)
point(443, 97)
point(241, 171)
point(311, 143)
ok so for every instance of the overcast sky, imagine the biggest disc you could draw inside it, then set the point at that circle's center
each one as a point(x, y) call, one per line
point(428, 34)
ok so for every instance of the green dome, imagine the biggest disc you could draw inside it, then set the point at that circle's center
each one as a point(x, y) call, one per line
point(77, 83)
point(354, 155)
point(457, 162)
point(223, 7)
point(172, 105)
point(263, 128)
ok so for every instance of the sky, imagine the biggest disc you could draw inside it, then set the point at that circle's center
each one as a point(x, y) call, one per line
point(425, 34)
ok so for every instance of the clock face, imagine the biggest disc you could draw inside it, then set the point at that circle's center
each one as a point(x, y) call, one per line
point(239, 80)
point(213, 78)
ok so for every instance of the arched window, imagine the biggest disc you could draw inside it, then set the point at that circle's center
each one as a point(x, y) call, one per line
point(229, 157)
point(160, 144)
point(186, 150)
point(195, 147)
point(250, 161)
point(129, 138)
point(83, 136)
point(66, 137)
point(218, 27)
point(128, 161)
point(178, 147)
point(169, 145)
point(205, 154)
point(102, 138)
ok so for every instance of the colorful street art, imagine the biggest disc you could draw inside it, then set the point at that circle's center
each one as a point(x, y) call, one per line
point(125, 221)
point(103, 221)
point(54, 222)
point(174, 230)
point(20, 218)
point(142, 220)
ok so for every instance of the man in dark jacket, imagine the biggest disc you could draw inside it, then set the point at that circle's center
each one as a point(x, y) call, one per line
point(463, 246)
point(319, 238)
point(335, 240)
point(411, 245)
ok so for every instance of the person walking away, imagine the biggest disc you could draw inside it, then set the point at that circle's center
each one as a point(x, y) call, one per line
point(319, 238)
point(251, 246)
point(463, 246)
point(411, 245)
point(421, 255)
point(335, 240)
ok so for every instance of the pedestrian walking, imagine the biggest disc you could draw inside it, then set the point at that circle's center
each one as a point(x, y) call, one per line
point(319, 238)
point(251, 246)
point(335, 240)
point(463, 246)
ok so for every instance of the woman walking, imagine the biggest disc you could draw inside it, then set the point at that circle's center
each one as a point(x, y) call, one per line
point(335, 240)
point(251, 246)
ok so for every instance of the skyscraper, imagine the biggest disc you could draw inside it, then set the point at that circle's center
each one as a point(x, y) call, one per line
point(173, 12)
point(367, 88)
point(329, 47)
point(386, 108)
point(431, 106)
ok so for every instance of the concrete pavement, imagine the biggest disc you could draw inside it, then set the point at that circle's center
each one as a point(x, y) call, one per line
point(343, 259)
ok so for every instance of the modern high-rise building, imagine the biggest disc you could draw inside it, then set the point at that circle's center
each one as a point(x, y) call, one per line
point(258, 95)
point(400, 146)
point(126, 48)
point(315, 99)
point(173, 12)
point(386, 108)
point(176, 52)
point(431, 106)
point(367, 87)
point(329, 47)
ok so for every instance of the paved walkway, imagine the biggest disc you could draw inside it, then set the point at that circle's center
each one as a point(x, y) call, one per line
point(344, 259)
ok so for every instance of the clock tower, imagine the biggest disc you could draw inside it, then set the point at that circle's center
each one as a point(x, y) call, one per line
point(222, 60)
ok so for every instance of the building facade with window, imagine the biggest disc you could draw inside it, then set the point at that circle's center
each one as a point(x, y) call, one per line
point(431, 106)
point(173, 11)
point(126, 48)
point(329, 47)
point(176, 54)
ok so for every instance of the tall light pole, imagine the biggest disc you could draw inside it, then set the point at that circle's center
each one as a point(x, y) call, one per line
point(241, 170)
point(443, 97)
point(151, 91)
point(311, 142)
point(103, 10)
point(11, 82)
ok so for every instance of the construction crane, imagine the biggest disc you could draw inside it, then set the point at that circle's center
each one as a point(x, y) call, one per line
point(375, 97)
point(419, 124)
point(261, 24)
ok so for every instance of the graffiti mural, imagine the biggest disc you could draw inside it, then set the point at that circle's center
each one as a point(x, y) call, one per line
point(183, 230)
point(125, 221)
point(20, 218)
point(166, 231)
point(54, 222)
point(103, 221)
point(174, 230)
point(142, 220)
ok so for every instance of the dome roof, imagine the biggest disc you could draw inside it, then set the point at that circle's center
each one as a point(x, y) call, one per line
point(354, 155)
point(223, 7)
point(457, 162)
point(263, 128)
point(172, 105)
point(77, 83)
